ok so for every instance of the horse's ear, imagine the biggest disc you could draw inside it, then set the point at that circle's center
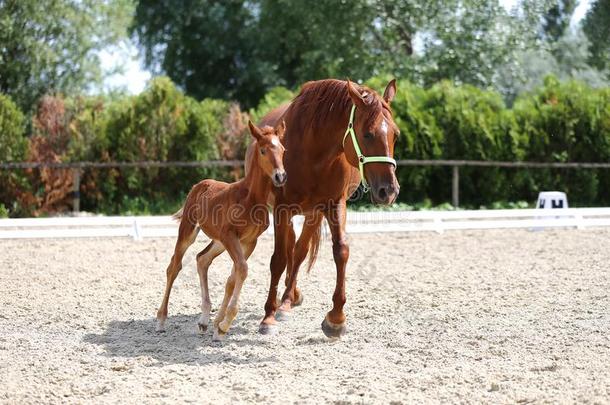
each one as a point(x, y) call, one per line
point(355, 95)
point(390, 91)
point(281, 129)
point(255, 131)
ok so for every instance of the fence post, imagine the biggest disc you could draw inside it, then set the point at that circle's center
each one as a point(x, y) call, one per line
point(455, 187)
point(75, 190)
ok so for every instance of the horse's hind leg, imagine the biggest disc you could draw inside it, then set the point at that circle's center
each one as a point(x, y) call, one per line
point(187, 233)
point(292, 296)
point(204, 259)
point(239, 253)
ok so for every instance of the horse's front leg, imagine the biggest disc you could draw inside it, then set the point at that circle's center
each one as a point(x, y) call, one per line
point(334, 322)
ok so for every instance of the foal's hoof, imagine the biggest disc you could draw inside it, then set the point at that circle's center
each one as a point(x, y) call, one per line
point(202, 323)
point(218, 335)
point(332, 330)
point(283, 316)
point(267, 329)
point(299, 299)
point(160, 325)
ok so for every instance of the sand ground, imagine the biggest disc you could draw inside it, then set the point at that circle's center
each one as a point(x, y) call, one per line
point(477, 316)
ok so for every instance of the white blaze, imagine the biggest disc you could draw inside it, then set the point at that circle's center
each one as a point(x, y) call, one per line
point(384, 127)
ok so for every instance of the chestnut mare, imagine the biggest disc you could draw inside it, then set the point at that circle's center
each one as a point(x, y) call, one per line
point(233, 216)
point(338, 133)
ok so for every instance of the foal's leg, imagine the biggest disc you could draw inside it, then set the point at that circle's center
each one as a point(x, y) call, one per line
point(239, 253)
point(281, 222)
point(334, 322)
point(187, 233)
point(292, 295)
point(204, 259)
point(229, 285)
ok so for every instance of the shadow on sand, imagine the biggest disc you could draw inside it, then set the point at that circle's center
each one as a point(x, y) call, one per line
point(179, 344)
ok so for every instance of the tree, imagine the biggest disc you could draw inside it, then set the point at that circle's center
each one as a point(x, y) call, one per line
point(51, 46)
point(207, 47)
point(238, 49)
point(597, 27)
point(557, 19)
point(310, 40)
point(567, 59)
point(473, 42)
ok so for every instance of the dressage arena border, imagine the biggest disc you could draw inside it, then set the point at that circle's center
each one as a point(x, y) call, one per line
point(138, 227)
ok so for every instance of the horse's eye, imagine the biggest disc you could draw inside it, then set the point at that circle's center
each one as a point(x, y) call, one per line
point(262, 151)
point(368, 135)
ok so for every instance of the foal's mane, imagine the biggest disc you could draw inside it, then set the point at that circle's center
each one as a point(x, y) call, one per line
point(324, 100)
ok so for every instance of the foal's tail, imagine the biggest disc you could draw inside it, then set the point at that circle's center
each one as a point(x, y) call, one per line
point(178, 215)
point(314, 246)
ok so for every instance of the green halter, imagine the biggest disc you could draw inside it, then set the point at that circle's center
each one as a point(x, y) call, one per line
point(362, 160)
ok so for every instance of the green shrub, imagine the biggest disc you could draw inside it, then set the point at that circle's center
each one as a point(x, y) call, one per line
point(3, 211)
point(13, 148)
point(162, 124)
point(565, 122)
point(558, 122)
point(475, 126)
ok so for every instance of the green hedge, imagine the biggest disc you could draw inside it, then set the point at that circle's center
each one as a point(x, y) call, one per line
point(565, 122)
point(559, 122)
point(13, 148)
point(160, 124)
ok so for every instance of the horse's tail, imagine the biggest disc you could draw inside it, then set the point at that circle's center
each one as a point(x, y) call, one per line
point(178, 215)
point(314, 246)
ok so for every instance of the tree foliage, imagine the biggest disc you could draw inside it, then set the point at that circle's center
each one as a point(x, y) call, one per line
point(557, 19)
point(51, 46)
point(239, 49)
point(13, 147)
point(597, 27)
point(207, 47)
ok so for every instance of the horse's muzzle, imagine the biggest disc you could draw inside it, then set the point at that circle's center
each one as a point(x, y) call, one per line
point(279, 178)
point(385, 194)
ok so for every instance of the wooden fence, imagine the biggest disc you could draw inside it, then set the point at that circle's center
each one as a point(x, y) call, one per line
point(78, 167)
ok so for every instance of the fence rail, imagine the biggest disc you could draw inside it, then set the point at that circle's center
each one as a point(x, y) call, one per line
point(77, 167)
point(140, 227)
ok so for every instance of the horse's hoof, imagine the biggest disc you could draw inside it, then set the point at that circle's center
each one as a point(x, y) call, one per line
point(299, 299)
point(202, 328)
point(160, 326)
point(283, 316)
point(332, 330)
point(218, 335)
point(267, 329)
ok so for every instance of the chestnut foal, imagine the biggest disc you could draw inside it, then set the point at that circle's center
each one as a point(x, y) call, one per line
point(233, 216)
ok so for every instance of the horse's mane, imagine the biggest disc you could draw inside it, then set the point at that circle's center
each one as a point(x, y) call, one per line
point(322, 100)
